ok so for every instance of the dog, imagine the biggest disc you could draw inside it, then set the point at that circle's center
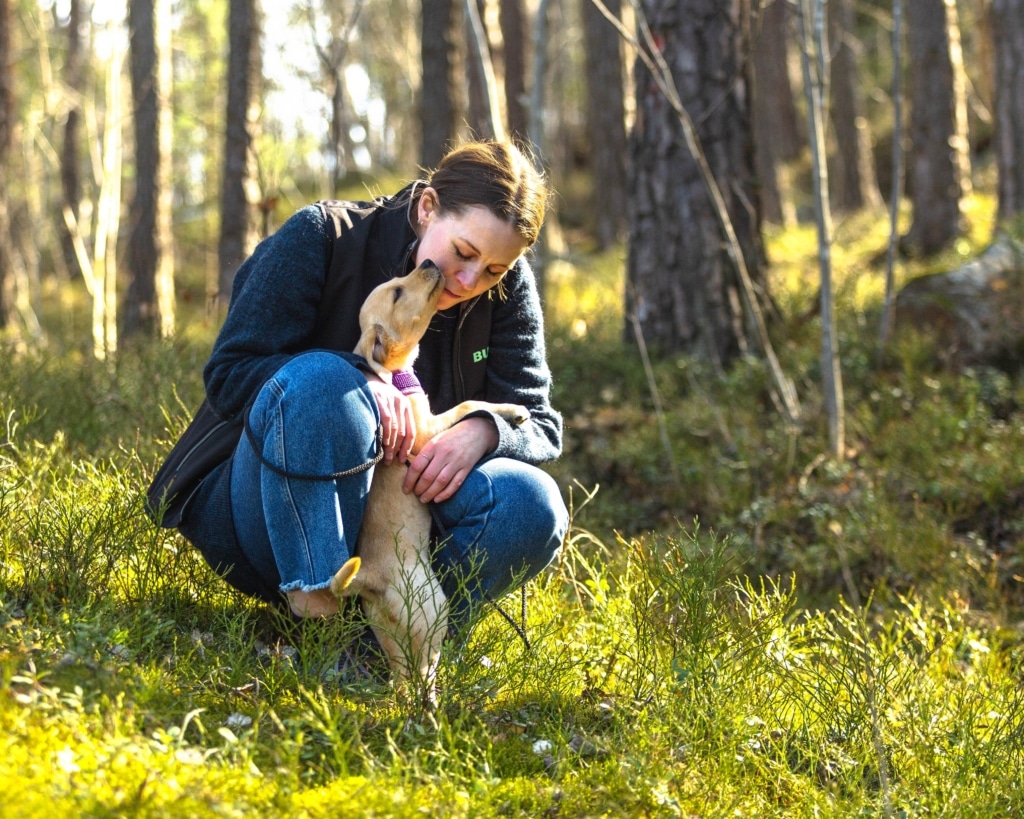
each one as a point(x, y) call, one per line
point(390, 571)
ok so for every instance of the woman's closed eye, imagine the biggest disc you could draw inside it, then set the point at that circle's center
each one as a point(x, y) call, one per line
point(497, 273)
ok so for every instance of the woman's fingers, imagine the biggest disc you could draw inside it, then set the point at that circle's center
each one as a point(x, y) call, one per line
point(436, 475)
point(441, 468)
point(398, 427)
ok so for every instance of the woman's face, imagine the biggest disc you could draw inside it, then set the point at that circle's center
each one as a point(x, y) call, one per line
point(473, 250)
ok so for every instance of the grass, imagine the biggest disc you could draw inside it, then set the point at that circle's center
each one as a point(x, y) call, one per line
point(770, 634)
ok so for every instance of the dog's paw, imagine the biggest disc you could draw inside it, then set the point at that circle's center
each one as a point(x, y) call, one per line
point(515, 414)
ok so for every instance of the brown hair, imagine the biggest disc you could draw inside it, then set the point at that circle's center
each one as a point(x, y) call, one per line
point(497, 175)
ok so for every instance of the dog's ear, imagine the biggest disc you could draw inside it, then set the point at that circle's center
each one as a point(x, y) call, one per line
point(381, 344)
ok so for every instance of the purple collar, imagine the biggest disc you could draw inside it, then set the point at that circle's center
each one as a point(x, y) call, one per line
point(406, 382)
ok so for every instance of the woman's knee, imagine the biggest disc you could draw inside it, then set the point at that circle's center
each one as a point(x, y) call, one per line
point(549, 518)
point(318, 388)
point(529, 503)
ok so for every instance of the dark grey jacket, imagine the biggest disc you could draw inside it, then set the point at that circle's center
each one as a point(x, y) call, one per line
point(301, 290)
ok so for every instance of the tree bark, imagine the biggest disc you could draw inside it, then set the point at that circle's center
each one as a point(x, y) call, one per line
point(778, 135)
point(814, 64)
point(854, 182)
point(1008, 35)
point(484, 106)
point(512, 19)
point(143, 251)
point(333, 58)
point(165, 292)
point(438, 93)
point(606, 120)
point(237, 233)
point(150, 301)
point(74, 78)
point(938, 167)
point(6, 129)
point(682, 288)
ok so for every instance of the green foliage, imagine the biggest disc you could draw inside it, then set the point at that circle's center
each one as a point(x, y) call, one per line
point(736, 626)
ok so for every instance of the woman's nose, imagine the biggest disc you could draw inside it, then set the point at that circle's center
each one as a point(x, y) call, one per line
point(468, 277)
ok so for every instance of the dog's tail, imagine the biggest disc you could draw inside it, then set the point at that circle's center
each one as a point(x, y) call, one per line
point(344, 577)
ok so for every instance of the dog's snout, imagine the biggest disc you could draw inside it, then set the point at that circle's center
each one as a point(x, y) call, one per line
point(431, 271)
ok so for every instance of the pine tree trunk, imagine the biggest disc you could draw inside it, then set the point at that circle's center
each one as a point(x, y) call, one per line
point(779, 138)
point(70, 178)
point(682, 287)
point(140, 309)
point(438, 95)
point(512, 17)
point(937, 158)
point(606, 120)
point(237, 234)
point(1008, 36)
point(854, 182)
point(165, 292)
point(150, 301)
point(484, 106)
point(6, 127)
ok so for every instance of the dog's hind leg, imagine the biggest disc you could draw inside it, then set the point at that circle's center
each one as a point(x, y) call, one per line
point(410, 619)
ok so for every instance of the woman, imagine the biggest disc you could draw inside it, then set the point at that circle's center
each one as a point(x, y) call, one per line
point(283, 362)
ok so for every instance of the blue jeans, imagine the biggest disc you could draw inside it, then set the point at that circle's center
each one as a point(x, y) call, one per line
point(317, 416)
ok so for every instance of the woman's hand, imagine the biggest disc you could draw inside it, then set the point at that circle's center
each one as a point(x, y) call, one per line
point(441, 467)
point(396, 419)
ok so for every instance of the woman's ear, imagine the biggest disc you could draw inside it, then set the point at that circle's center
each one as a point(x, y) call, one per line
point(427, 206)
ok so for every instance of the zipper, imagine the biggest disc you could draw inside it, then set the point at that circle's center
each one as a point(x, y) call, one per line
point(460, 379)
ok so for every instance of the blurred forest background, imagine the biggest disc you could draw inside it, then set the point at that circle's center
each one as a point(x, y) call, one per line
point(743, 189)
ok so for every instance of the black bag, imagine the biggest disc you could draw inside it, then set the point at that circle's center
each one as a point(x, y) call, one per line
point(207, 443)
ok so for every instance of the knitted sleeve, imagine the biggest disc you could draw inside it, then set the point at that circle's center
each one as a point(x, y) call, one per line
point(517, 371)
point(273, 311)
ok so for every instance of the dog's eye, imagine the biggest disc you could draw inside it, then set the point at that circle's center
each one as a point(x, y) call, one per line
point(397, 295)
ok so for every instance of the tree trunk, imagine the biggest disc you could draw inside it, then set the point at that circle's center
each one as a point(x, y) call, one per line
point(512, 19)
point(237, 232)
point(74, 77)
point(814, 64)
point(438, 93)
point(606, 120)
point(165, 293)
point(484, 106)
point(854, 183)
point(150, 302)
point(143, 252)
point(538, 137)
point(1008, 36)
point(938, 167)
point(779, 138)
point(333, 57)
point(682, 287)
point(108, 218)
point(6, 128)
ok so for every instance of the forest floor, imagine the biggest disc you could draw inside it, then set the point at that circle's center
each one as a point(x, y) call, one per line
point(738, 625)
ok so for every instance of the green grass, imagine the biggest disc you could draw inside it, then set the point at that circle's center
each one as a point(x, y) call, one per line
point(737, 626)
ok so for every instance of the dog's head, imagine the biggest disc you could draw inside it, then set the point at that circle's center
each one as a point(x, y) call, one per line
point(395, 316)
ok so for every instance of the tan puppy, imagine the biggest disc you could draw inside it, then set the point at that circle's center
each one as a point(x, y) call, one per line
point(391, 571)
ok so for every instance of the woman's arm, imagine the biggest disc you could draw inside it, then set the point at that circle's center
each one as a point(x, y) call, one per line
point(518, 372)
point(273, 311)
